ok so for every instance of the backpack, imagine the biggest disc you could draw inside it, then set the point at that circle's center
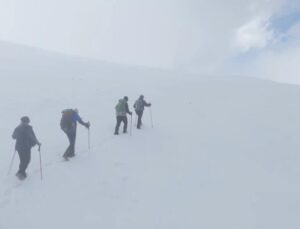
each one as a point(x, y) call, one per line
point(139, 105)
point(66, 119)
point(121, 107)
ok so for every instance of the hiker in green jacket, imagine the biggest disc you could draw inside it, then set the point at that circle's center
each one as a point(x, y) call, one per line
point(121, 113)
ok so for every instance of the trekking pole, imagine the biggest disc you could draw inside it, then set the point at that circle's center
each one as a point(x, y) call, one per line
point(11, 163)
point(40, 155)
point(131, 125)
point(151, 119)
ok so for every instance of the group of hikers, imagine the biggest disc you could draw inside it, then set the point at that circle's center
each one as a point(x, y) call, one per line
point(26, 139)
point(122, 110)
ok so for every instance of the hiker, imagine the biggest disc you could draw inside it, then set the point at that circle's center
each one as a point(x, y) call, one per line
point(68, 124)
point(139, 106)
point(121, 111)
point(25, 140)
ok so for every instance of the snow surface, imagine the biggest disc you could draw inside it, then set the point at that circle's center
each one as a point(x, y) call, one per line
point(223, 153)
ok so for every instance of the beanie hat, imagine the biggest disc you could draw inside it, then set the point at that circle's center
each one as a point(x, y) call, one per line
point(25, 119)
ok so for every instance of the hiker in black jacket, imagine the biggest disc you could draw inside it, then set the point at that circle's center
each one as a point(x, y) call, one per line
point(139, 106)
point(25, 140)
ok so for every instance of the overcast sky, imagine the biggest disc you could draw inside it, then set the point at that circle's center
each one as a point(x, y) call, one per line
point(252, 37)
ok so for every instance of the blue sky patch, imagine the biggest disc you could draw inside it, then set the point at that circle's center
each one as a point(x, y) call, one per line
point(282, 23)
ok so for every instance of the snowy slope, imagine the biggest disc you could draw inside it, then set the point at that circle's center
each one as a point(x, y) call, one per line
point(223, 152)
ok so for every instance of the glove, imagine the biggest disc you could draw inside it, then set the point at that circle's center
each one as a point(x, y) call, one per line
point(130, 113)
point(87, 125)
point(150, 104)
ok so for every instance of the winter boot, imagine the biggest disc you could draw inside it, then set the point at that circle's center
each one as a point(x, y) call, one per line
point(21, 175)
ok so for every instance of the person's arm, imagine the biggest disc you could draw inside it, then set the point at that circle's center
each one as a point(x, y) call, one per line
point(15, 133)
point(78, 119)
point(33, 137)
point(146, 104)
point(127, 109)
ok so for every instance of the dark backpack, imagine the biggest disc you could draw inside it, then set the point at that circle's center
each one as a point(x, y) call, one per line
point(66, 119)
point(139, 105)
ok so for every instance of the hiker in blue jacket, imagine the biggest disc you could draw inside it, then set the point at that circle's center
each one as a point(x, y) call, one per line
point(68, 124)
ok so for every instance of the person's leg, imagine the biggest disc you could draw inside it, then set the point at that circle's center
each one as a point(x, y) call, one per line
point(119, 119)
point(70, 150)
point(125, 124)
point(139, 123)
point(72, 144)
point(22, 160)
point(66, 154)
point(25, 157)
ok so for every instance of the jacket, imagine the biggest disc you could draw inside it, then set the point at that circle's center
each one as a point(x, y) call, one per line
point(140, 104)
point(122, 108)
point(25, 137)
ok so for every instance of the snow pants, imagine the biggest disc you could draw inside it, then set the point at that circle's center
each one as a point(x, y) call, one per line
point(121, 119)
point(139, 121)
point(70, 151)
point(25, 156)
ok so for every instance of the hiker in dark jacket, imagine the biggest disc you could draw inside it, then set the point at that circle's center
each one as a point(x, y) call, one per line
point(25, 140)
point(68, 124)
point(139, 106)
point(121, 111)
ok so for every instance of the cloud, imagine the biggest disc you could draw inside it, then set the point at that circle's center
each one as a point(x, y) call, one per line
point(280, 62)
point(206, 36)
point(254, 34)
point(275, 53)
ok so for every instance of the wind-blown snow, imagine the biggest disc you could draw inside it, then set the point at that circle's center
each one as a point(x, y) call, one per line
point(223, 153)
